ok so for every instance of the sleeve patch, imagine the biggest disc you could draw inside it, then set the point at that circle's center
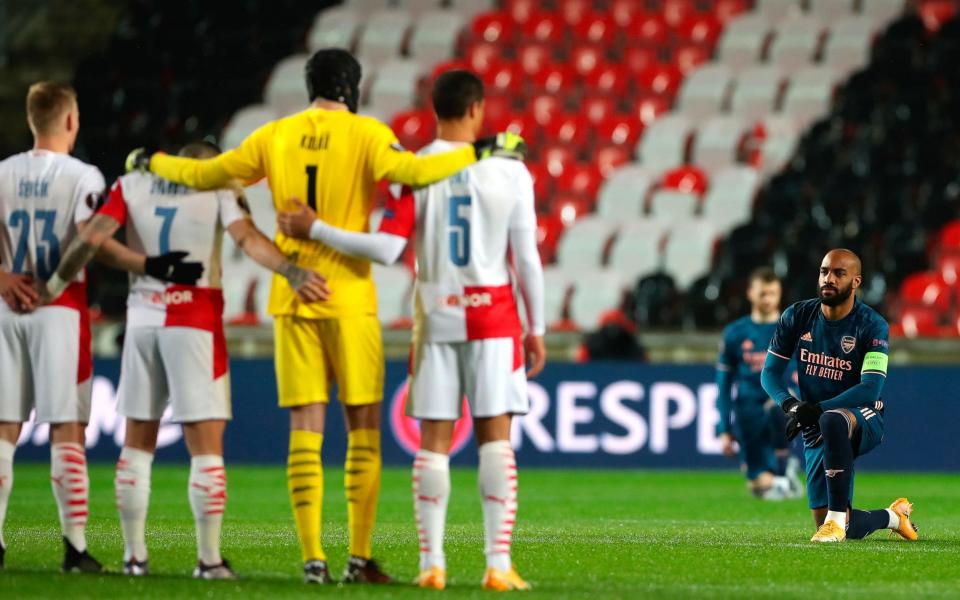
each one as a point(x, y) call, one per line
point(876, 362)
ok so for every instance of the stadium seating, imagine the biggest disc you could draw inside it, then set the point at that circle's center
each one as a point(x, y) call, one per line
point(285, 92)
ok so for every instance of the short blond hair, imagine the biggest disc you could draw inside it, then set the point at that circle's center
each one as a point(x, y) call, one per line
point(47, 101)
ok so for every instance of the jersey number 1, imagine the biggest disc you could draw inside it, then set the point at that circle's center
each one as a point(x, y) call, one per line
point(459, 227)
point(312, 186)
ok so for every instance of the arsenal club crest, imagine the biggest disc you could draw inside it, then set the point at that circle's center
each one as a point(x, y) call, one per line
point(848, 343)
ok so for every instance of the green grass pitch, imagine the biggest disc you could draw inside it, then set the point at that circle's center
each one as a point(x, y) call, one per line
point(605, 534)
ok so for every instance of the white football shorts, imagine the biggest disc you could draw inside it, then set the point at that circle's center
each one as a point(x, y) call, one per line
point(488, 372)
point(40, 359)
point(176, 366)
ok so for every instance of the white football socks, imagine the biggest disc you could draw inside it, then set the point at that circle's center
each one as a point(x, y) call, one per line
point(894, 522)
point(132, 485)
point(498, 495)
point(6, 481)
point(838, 517)
point(208, 498)
point(68, 478)
point(431, 493)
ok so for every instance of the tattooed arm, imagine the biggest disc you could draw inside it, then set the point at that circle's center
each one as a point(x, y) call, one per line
point(310, 286)
point(92, 235)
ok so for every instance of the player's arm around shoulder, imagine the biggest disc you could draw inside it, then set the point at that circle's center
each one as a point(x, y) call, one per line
point(309, 285)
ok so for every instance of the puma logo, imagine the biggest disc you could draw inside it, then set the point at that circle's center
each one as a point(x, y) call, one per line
point(431, 499)
point(832, 472)
point(57, 480)
point(498, 500)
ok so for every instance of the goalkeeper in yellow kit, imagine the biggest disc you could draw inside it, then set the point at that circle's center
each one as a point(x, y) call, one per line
point(331, 158)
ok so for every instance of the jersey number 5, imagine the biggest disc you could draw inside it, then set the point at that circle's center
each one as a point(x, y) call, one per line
point(459, 228)
point(48, 247)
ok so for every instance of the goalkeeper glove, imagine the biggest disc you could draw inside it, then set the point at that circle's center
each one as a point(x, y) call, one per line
point(138, 160)
point(170, 267)
point(807, 414)
point(504, 145)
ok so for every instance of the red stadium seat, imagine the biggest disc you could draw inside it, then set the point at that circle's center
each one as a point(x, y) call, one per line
point(581, 179)
point(597, 108)
point(949, 238)
point(688, 179)
point(937, 12)
point(549, 229)
point(569, 129)
point(545, 27)
point(662, 80)
point(521, 11)
point(556, 158)
point(648, 29)
point(497, 107)
point(545, 108)
point(649, 108)
point(612, 79)
point(619, 130)
point(689, 56)
point(724, 10)
point(573, 12)
point(555, 79)
point(570, 207)
point(521, 124)
point(676, 12)
point(926, 289)
point(534, 57)
point(920, 321)
point(598, 28)
point(493, 27)
point(608, 158)
point(503, 77)
point(542, 184)
point(624, 12)
point(414, 128)
point(587, 59)
point(700, 29)
point(637, 59)
point(948, 266)
point(483, 57)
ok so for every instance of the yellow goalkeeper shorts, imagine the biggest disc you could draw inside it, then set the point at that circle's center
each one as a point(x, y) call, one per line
point(313, 354)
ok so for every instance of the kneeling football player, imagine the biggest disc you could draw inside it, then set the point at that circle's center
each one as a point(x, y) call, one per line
point(174, 351)
point(842, 348)
point(468, 338)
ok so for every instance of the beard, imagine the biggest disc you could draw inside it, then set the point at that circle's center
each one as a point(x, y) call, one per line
point(839, 295)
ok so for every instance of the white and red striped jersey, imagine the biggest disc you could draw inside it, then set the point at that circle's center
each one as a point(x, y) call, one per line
point(160, 217)
point(43, 195)
point(464, 289)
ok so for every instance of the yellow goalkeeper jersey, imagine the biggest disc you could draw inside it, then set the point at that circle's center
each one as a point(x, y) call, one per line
point(330, 160)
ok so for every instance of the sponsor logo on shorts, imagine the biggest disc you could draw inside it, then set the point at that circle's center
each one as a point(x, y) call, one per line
point(848, 343)
point(173, 298)
point(474, 300)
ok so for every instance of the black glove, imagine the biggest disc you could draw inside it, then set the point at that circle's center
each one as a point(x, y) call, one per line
point(504, 145)
point(793, 428)
point(170, 267)
point(807, 414)
point(138, 160)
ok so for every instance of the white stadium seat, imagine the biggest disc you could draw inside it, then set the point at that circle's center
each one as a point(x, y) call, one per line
point(827, 11)
point(783, 133)
point(704, 91)
point(583, 243)
point(809, 94)
point(716, 143)
point(796, 43)
point(624, 194)
point(286, 90)
point(335, 27)
point(671, 204)
point(383, 36)
point(637, 251)
point(882, 11)
point(689, 252)
point(471, 8)
point(393, 292)
point(556, 284)
point(777, 10)
point(848, 47)
point(395, 87)
point(417, 8)
point(595, 292)
point(244, 122)
point(757, 91)
point(742, 42)
point(664, 144)
point(729, 201)
point(435, 37)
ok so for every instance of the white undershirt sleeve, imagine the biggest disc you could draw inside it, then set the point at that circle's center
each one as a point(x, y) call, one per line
point(526, 257)
point(383, 248)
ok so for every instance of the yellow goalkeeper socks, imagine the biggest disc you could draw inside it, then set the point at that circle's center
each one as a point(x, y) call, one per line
point(362, 484)
point(305, 484)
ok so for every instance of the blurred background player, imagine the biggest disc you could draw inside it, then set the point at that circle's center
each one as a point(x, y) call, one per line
point(842, 348)
point(334, 158)
point(759, 424)
point(45, 197)
point(174, 349)
point(468, 338)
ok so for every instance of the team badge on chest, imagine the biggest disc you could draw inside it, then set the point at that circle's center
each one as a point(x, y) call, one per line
point(848, 343)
